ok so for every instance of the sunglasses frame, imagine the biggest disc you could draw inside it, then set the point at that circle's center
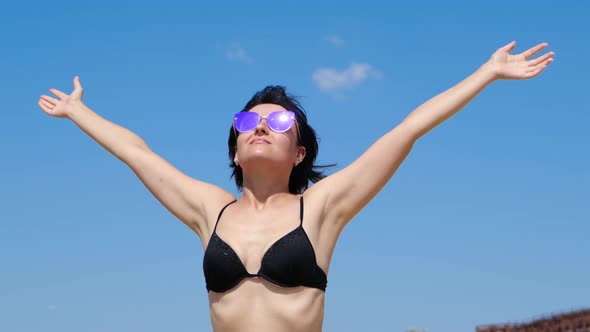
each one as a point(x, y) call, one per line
point(267, 124)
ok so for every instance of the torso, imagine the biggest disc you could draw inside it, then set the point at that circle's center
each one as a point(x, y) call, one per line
point(256, 304)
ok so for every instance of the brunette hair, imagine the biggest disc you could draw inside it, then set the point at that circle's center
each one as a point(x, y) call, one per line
point(306, 170)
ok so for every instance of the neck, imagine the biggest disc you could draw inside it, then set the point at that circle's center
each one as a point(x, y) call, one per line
point(265, 185)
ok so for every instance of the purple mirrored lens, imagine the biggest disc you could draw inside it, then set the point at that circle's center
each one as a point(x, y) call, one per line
point(281, 121)
point(246, 121)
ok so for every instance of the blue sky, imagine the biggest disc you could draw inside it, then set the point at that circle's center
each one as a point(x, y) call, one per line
point(485, 222)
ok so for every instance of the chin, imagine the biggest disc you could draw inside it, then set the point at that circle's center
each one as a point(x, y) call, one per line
point(264, 159)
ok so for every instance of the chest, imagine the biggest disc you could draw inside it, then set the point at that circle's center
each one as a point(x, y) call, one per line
point(252, 235)
point(274, 247)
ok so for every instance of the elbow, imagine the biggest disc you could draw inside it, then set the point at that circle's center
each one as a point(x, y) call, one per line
point(131, 150)
point(138, 142)
point(142, 145)
point(412, 130)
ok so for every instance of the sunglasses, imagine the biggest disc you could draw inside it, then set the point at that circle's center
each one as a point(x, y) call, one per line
point(279, 121)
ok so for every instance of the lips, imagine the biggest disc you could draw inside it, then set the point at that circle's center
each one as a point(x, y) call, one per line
point(259, 141)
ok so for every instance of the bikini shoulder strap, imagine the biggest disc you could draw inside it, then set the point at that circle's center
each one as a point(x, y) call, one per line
point(301, 211)
point(221, 212)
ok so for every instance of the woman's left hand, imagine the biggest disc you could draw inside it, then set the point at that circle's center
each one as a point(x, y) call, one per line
point(517, 67)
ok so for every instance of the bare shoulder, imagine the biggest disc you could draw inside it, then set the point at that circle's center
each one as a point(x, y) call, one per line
point(213, 203)
point(316, 199)
point(192, 201)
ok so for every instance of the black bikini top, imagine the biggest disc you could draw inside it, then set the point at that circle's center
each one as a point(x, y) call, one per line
point(289, 262)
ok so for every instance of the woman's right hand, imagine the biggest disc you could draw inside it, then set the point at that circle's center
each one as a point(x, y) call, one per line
point(66, 104)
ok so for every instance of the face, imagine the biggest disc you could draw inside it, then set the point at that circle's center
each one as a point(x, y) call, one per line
point(264, 144)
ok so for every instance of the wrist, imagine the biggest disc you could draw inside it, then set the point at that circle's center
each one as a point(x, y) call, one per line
point(76, 109)
point(488, 73)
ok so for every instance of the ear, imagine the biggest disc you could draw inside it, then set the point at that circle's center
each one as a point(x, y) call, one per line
point(300, 154)
point(236, 159)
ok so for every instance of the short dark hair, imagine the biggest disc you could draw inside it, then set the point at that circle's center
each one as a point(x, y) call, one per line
point(306, 170)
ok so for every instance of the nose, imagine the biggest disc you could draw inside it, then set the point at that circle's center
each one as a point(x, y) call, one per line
point(262, 127)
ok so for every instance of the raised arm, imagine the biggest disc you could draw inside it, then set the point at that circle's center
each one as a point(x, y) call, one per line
point(190, 200)
point(346, 192)
point(502, 65)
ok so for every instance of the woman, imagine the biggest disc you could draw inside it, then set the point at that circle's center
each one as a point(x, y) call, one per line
point(267, 254)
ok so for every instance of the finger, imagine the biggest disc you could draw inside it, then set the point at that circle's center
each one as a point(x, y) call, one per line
point(539, 69)
point(77, 84)
point(533, 50)
point(536, 72)
point(541, 59)
point(509, 47)
point(58, 93)
point(42, 105)
point(541, 65)
point(546, 63)
point(50, 100)
point(45, 106)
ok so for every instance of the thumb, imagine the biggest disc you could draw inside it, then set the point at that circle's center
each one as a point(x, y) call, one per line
point(77, 84)
point(78, 89)
point(509, 47)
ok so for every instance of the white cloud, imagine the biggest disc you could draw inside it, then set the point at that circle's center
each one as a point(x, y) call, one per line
point(331, 80)
point(335, 40)
point(237, 53)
